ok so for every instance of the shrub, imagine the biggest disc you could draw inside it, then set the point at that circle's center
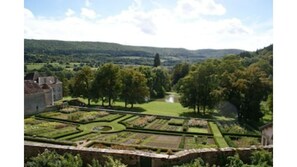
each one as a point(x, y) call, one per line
point(197, 123)
point(74, 116)
point(198, 162)
point(177, 122)
point(262, 158)
point(113, 162)
point(170, 152)
point(95, 163)
point(234, 161)
point(68, 110)
point(51, 158)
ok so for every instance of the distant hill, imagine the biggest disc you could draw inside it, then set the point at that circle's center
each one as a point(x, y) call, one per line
point(68, 51)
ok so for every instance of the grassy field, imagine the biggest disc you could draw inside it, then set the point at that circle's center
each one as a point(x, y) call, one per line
point(156, 107)
point(37, 66)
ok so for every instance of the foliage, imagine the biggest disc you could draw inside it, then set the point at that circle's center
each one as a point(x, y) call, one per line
point(95, 163)
point(53, 159)
point(262, 158)
point(82, 85)
point(111, 162)
point(96, 53)
point(179, 71)
point(68, 110)
point(134, 89)
point(197, 88)
point(160, 82)
point(141, 121)
point(198, 162)
point(175, 121)
point(234, 161)
point(243, 81)
point(157, 61)
point(107, 84)
point(194, 122)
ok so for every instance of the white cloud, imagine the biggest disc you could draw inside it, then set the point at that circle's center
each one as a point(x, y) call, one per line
point(195, 8)
point(28, 14)
point(159, 27)
point(69, 12)
point(88, 13)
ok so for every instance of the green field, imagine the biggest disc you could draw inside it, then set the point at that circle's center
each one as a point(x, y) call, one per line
point(156, 107)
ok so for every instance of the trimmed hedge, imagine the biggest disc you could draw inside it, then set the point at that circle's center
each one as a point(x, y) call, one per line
point(219, 139)
point(174, 133)
point(52, 141)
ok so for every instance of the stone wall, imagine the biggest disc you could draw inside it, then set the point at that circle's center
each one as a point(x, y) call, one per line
point(58, 91)
point(37, 102)
point(143, 159)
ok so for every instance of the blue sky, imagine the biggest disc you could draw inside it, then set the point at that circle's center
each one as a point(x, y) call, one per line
point(191, 24)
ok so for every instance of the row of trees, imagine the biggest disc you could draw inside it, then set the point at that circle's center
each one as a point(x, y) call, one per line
point(243, 81)
point(111, 82)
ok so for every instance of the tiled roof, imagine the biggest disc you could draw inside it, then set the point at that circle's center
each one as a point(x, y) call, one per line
point(31, 87)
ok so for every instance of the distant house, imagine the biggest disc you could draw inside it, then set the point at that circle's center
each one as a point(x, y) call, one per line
point(267, 134)
point(41, 92)
point(36, 98)
point(51, 81)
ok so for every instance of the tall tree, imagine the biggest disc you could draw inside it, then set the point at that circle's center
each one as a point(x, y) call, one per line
point(179, 71)
point(197, 89)
point(157, 61)
point(134, 88)
point(107, 83)
point(83, 83)
point(245, 88)
point(161, 82)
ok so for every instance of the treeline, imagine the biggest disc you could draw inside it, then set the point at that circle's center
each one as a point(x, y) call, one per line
point(52, 51)
point(110, 82)
point(243, 80)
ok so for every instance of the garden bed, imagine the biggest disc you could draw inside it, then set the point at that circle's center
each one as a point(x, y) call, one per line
point(240, 141)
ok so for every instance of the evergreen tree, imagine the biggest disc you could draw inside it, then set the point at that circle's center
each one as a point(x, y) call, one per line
point(157, 61)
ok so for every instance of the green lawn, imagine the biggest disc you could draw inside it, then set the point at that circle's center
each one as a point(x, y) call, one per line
point(218, 137)
point(197, 130)
point(152, 107)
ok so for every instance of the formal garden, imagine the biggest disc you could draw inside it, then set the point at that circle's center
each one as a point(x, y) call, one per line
point(101, 128)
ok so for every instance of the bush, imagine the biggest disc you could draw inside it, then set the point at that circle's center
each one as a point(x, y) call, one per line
point(197, 123)
point(53, 159)
point(262, 158)
point(113, 162)
point(95, 163)
point(68, 110)
point(177, 122)
point(198, 162)
point(170, 152)
point(234, 161)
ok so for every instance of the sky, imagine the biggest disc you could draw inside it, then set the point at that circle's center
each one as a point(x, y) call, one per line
point(190, 24)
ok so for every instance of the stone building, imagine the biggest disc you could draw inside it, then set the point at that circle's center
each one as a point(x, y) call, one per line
point(36, 98)
point(51, 81)
point(267, 134)
point(41, 92)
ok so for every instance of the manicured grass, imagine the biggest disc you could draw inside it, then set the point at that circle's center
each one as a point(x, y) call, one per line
point(152, 107)
point(37, 66)
point(178, 122)
point(88, 128)
point(217, 135)
point(197, 130)
point(47, 129)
